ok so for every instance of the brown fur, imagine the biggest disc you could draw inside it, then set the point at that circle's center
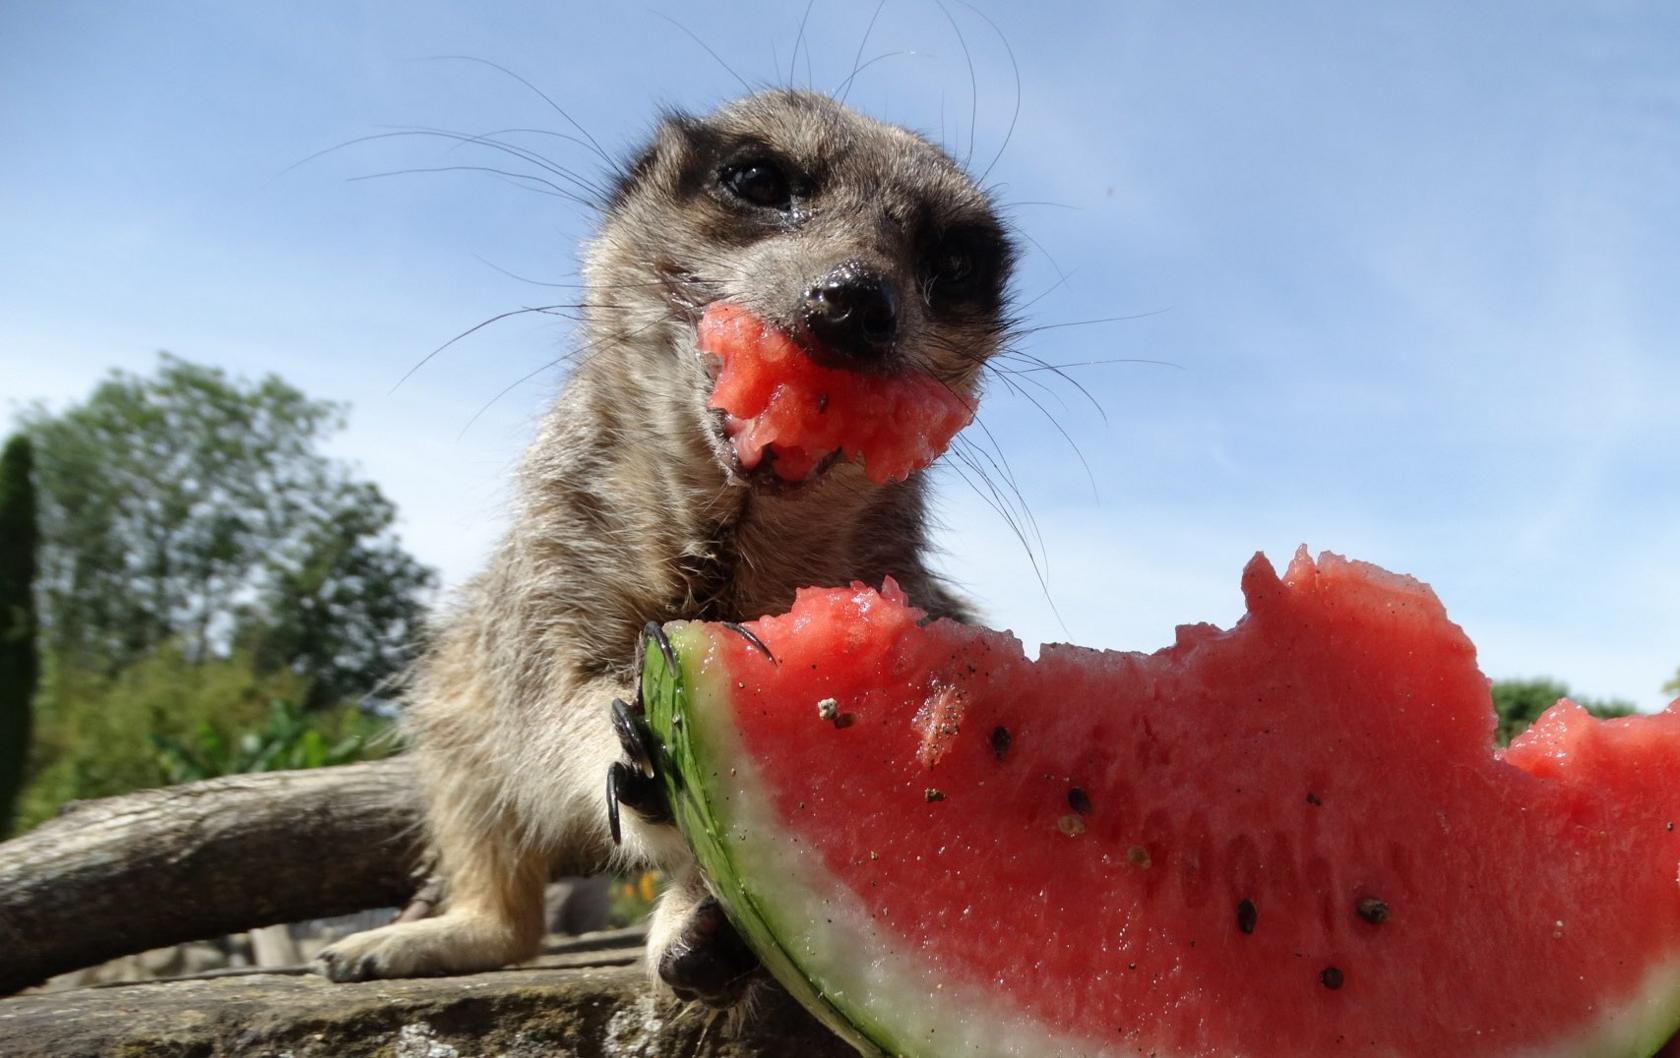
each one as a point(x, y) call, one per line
point(631, 508)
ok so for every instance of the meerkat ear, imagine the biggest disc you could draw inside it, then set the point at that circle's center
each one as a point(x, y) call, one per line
point(676, 152)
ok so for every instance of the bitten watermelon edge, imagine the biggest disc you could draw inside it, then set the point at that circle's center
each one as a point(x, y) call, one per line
point(804, 908)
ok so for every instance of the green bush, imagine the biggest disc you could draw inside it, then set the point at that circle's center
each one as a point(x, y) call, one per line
point(169, 718)
point(291, 738)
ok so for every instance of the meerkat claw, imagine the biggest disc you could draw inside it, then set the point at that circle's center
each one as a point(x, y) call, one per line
point(630, 737)
point(746, 633)
point(652, 631)
point(634, 781)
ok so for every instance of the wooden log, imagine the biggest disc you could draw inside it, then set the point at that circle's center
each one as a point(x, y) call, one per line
point(126, 874)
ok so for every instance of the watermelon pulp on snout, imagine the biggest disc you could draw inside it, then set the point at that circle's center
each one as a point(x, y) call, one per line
point(778, 400)
point(1291, 839)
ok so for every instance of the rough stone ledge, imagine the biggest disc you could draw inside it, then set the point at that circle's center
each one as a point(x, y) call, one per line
point(553, 1012)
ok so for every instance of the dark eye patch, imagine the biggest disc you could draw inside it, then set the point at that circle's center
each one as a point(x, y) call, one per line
point(965, 265)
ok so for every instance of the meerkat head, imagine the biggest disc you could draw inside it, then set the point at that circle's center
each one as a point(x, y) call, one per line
point(864, 242)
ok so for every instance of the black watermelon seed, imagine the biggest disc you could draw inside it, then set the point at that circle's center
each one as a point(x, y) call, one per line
point(1000, 742)
point(1246, 916)
point(931, 795)
point(1331, 978)
point(1312, 799)
point(1373, 910)
point(1079, 801)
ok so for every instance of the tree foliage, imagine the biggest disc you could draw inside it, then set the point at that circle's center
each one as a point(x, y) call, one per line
point(340, 608)
point(1673, 686)
point(1520, 702)
point(192, 508)
point(19, 660)
point(215, 593)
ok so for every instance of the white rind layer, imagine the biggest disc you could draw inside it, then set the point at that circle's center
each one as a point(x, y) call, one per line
point(824, 944)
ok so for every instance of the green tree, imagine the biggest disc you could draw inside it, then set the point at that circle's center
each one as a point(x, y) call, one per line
point(175, 507)
point(343, 607)
point(201, 559)
point(19, 659)
point(103, 735)
point(1520, 702)
point(1673, 686)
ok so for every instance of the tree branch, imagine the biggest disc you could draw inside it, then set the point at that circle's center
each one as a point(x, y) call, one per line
point(127, 874)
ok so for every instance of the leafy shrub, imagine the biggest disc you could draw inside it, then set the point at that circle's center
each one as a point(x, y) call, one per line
point(168, 717)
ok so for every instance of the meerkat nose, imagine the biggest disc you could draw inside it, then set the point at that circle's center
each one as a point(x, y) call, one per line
point(853, 312)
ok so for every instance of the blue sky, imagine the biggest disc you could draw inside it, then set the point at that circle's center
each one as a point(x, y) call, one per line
point(1414, 268)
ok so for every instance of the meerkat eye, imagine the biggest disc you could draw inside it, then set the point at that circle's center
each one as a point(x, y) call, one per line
point(760, 182)
point(954, 265)
point(951, 266)
point(966, 265)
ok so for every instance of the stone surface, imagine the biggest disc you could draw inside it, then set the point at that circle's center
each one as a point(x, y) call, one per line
point(593, 1011)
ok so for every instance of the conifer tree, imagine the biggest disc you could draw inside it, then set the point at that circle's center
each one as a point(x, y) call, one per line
point(19, 659)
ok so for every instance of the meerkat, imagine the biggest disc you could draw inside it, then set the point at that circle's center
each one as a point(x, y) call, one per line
point(874, 249)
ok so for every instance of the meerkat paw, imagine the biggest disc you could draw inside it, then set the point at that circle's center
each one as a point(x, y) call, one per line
point(450, 944)
point(695, 952)
point(633, 782)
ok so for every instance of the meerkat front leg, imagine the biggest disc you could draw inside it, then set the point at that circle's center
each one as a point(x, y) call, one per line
point(694, 950)
point(493, 909)
point(499, 816)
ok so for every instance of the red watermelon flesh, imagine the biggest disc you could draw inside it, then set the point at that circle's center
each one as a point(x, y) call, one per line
point(781, 401)
point(1291, 839)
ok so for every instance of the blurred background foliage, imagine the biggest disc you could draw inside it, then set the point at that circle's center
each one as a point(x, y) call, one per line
point(290, 738)
point(632, 897)
point(212, 593)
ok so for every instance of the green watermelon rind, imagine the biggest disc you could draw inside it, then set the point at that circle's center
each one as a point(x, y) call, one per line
point(687, 711)
point(680, 756)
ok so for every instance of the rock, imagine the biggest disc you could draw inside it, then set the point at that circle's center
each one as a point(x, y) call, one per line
point(599, 1011)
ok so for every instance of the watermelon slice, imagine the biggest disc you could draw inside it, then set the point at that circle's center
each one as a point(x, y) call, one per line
point(779, 400)
point(1291, 839)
